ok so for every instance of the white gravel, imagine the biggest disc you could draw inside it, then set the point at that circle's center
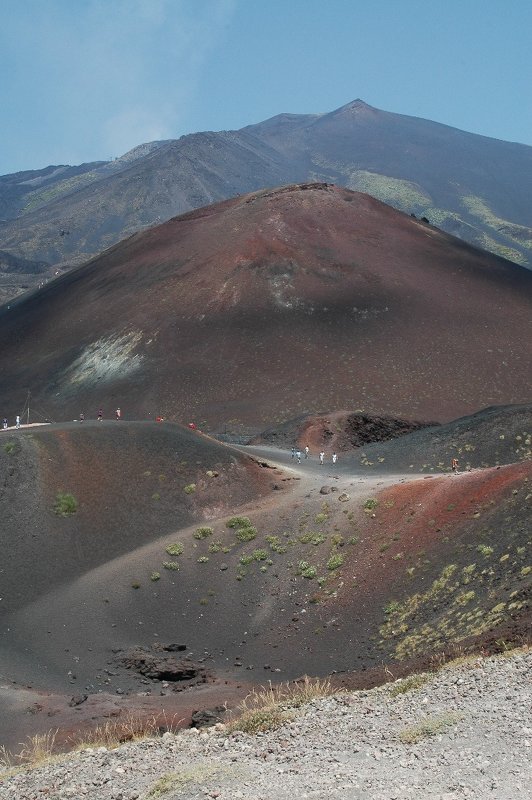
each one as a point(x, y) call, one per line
point(348, 746)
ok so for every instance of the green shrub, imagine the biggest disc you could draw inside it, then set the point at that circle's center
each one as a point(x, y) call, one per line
point(335, 561)
point(9, 447)
point(246, 534)
point(202, 533)
point(203, 559)
point(238, 522)
point(171, 565)
point(319, 518)
point(155, 576)
point(275, 544)
point(175, 549)
point(190, 488)
point(306, 570)
point(370, 504)
point(246, 559)
point(260, 555)
point(312, 538)
point(65, 504)
point(309, 572)
point(215, 547)
point(392, 607)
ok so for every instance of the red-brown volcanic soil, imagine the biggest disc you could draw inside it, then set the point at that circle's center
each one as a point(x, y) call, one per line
point(346, 570)
point(265, 307)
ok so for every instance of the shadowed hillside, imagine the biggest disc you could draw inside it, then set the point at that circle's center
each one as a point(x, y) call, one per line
point(256, 310)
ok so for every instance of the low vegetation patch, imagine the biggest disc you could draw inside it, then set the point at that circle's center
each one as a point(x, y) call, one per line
point(430, 726)
point(202, 533)
point(335, 561)
point(246, 534)
point(270, 707)
point(9, 447)
point(65, 504)
point(175, 549)
point(409, 684)
point(238, 522)
point(189, 488)
point(312, 538)
point(306, 570)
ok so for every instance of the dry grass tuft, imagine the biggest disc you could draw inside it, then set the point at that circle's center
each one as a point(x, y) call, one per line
point(409, 684)
point(129, 728)
point(269, 707)
point(430, 726)
point(36, 750)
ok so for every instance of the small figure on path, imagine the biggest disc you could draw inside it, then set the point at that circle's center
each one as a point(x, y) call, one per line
point(293, 452)
point(82, 417)
point(298, 456)
point(322, 456)
point(118, 413)
point(100, 415)
point(334, 458)
point(454, 465)
point(306, 451)
point(17, 421)
point(4, 423)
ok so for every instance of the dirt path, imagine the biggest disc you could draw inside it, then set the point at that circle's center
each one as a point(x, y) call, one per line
point(27, 709)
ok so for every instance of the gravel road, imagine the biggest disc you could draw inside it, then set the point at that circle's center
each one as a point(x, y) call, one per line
point(465, 733)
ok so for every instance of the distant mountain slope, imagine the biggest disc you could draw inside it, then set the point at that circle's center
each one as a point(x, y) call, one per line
point(472, 186)
point(259, 309)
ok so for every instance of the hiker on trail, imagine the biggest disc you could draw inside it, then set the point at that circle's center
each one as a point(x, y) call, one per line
point(298, 456)
point(322, 456)
point(306, 451)
point(293, 452)
point(334, 458)
point(17, 421)
point(100, 415)
point(454, 465)
point(118, 413)
point(82, 417)
point(4, 423)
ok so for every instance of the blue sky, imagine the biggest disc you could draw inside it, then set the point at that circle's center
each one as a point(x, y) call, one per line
point(86, 80)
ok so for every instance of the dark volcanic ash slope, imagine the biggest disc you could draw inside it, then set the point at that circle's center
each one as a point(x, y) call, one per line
point(129, 482)
point(258, 309)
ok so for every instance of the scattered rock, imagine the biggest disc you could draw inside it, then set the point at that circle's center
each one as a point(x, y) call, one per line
point(164, 668)
point(207, 717)
point(77, 700)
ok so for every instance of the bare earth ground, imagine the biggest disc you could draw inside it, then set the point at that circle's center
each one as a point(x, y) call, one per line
point(461, 734)
point(71, 622)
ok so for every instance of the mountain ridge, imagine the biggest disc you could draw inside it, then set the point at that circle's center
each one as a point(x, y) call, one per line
point(469, 185)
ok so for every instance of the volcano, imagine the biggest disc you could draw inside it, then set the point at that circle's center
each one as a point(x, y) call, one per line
point(278, 303)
